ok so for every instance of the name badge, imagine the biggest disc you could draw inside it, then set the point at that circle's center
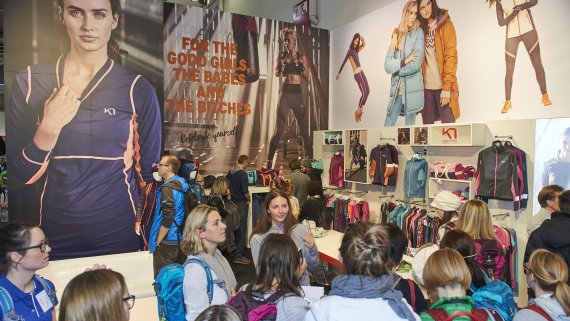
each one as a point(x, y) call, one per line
point(44, 301)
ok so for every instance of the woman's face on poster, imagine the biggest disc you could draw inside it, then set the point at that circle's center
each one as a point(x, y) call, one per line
point(412, 15)
point(425, 9)
point(289, 42)
point(89, 23)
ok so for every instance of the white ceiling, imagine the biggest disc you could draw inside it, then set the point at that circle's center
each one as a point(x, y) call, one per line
point(332, 13)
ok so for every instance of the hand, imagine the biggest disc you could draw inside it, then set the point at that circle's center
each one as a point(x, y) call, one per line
point(60, 107)
point(309, 240)
point(411, 57)
point(138, 228)
point(444, 101)
point(337, 76)
point(232, 292)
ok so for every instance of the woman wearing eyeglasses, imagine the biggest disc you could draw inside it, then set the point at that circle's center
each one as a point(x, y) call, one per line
point(96, 295)
point(24, 250)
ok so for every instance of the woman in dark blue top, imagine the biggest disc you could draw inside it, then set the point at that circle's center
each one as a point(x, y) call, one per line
point(86, 132)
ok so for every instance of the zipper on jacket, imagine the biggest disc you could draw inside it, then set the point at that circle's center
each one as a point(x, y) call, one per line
point(496, 166)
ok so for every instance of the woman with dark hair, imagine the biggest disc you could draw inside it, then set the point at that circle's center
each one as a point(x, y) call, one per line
point(291, 65)
point(24, 250)
point(222, 312)
point(520, 28)
point(96, 295)
point(439, 64)
point(464, 244)
point(403, 62)
point(366, 291)
point(356, 45)
point(278, 219)
point(84, 133)
point(279, 268)
point(409, 288)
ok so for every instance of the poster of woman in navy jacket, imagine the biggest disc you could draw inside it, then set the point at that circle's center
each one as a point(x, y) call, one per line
point(84, 133)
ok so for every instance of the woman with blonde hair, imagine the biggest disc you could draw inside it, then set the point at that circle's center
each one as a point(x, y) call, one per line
point(447, 279)
point(547, 275)
point(475, 220)
point(404, 63)
point(203, 231)
point(96, 295)
point(366, 291)
point(291, 66)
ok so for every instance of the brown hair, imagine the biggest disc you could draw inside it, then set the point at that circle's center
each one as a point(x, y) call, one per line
point(220, 186)
point(551, 273)
point(173, 162)
point(475, 219)
point(365, 249)
point(445, 267)
point(264, 223)
point(242, 159)
point(548, 193)
point(464, 244)
point(196, 221)
point(278, 260)
point(284, 185)
point(95, 295)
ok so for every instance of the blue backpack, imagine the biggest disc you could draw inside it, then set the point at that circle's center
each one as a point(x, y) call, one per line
point(495, 295)
point(7, 304)
point(169, 292)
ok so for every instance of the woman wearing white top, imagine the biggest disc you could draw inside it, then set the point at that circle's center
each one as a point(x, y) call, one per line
point(203, 231)
point(446, 206)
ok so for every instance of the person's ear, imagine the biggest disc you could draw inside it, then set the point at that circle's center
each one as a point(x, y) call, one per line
point(60, 15)
point(16, 257)
point(115, 21)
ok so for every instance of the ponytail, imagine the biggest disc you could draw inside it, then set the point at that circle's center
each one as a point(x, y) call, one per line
point(562, 295)
point(115, 52)
point(551, 274)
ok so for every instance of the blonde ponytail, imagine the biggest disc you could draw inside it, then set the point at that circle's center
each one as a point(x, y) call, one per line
point(551, 273)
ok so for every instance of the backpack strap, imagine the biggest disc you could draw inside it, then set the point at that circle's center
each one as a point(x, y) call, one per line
point(49, 291)
point(6, 303)
point(539, 310)
point(437, 314)
point(209, 281)
point(412, 293)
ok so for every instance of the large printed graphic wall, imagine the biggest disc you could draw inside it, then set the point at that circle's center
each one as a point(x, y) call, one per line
point(239, 84)
point(478, 49)
point(232, 85)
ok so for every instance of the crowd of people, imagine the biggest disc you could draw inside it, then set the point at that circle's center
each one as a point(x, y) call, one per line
point(208, 236)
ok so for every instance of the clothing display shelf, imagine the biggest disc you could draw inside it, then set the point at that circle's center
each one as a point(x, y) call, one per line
point(436, 185)
point(466, 134)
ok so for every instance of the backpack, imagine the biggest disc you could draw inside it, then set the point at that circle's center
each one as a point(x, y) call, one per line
point(253, 307)
point(7, 304)
point(251, 176)
point(539, 310)
point(488, 255)
point(169, 293)
point(441, 314)
point(495, 295)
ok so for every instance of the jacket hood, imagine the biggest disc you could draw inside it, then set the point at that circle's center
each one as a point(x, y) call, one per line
point(178, 183)
point(235, 169)
point(442, 18)
point(552, 307)
point(555, 231)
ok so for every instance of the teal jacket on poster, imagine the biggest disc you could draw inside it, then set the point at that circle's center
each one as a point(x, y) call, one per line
point(179, 188)
point(410, 75)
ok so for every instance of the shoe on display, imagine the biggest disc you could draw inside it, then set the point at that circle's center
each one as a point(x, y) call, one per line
point(506, 106)
point(546, 100)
